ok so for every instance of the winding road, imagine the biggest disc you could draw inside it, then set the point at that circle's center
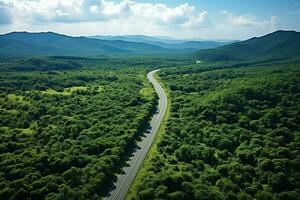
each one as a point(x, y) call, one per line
point(136, 160)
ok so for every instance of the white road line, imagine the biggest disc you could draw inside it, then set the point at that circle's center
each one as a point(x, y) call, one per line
point(146, 143)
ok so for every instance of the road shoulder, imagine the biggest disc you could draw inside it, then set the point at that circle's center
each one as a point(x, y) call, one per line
point(153, 149)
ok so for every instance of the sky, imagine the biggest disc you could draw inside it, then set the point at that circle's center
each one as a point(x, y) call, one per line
point(190, 19)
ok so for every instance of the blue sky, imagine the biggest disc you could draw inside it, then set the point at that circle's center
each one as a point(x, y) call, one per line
point(259, 7)
point(204, 19)
point(287, 10)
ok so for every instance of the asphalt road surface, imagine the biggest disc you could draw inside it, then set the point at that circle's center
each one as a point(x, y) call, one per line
point(125, 179)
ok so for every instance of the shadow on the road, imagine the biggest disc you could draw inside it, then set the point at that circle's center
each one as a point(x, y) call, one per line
point(131, 148)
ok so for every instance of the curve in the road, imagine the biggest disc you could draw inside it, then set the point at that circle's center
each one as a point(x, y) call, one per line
point(125, 180)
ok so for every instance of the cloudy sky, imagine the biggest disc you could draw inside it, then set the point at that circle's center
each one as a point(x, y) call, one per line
point(205, 19)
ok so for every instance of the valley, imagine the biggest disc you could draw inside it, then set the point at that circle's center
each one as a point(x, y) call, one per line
point(88, 118)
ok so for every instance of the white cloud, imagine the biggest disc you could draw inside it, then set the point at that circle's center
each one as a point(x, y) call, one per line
point(91, 17)
point(199, 21)
point(72, 11)
point(273, 23)
point(244, 20)
point(68, 11)
point(5, 15)
point(245, 26)
point(125, 16)
point(103, 17)
point(163, 14)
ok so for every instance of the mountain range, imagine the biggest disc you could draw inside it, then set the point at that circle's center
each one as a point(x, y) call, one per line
point(50, 44)
point(276, 45)
point(167, 42)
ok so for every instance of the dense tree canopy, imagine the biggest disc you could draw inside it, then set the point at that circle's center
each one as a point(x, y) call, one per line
point(232, 134)
point(64, 133)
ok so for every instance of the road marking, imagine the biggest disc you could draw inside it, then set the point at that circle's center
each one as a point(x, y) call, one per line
point(146, 143)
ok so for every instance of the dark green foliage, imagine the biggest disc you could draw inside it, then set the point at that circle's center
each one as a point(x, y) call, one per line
point(51, 64)
point(277, 45)
point(38, 64)
point(53, 44)
point(232, 134)
point(43, 44)
point(64, 133)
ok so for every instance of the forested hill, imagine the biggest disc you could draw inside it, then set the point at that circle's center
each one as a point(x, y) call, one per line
point(232, 134)
point(277, 45)
point(49, 43)
point(168, 43)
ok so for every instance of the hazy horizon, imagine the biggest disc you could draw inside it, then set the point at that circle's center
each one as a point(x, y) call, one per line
point(125, 35)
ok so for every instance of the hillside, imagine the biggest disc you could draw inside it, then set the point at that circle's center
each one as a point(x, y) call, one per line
point(48, 43)
point(277, 45)
point(138, 38)
point(168, 43)
point(232, 134)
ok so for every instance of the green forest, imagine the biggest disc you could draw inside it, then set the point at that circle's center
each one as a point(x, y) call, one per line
point(70, 124)
point(233, 133)
point(64, 133)
point(149, 100)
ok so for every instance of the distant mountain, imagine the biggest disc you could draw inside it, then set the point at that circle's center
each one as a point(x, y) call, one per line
point(277, 45)
point(139, 38)
point(196, 45)
point(168, 43)
point(49, 43)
